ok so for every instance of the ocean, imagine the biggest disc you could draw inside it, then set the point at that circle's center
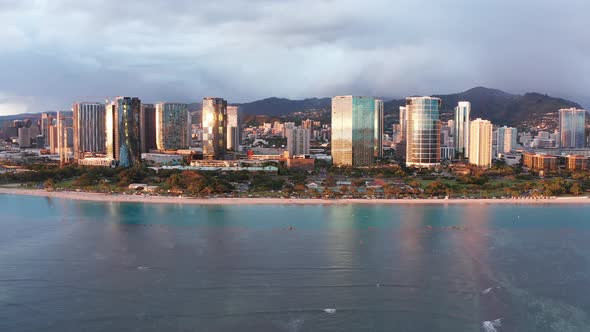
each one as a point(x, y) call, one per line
point(68, 265)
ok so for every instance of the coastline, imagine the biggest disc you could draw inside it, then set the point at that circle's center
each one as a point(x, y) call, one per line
point(99, 197)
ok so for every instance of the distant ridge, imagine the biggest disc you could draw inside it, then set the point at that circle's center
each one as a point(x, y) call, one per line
point(500, 107)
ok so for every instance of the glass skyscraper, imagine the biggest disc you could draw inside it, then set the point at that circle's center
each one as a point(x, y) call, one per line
point(462, 113)
point(233, 128)
point(173, 127)
point(572, 126)
point(147, 125)
point(423, 131)
point(123, 141)
point(214, 128)
point(355, 121)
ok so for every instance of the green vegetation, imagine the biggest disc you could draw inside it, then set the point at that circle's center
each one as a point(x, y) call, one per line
point(389, 181)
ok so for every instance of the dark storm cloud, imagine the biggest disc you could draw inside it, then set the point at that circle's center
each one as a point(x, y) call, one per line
point(57, 51)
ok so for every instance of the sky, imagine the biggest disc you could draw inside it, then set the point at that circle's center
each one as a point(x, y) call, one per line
point(56, 52)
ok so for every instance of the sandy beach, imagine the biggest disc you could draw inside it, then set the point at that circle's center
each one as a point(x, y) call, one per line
point(86, 196)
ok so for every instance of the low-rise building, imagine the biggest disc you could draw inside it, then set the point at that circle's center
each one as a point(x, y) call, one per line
point(577, 163)
point(539, 162)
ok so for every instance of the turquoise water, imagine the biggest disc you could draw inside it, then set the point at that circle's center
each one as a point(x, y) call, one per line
point(89, 266)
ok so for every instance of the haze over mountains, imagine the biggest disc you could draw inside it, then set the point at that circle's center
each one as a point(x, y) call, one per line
point(500, 107)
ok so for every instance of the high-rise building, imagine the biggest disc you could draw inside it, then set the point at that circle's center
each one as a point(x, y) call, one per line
point(65, 135)
point(480, 143)
point(214, 128)
point(298, 140)
point(572, 126)
point(46, 121)
point(123, 142)
point(52, 137)
point(233, 128)
point(462, 113)
point(507, 139)
point(24, 137)
point(147, 126)
point(403, 122)
point(173, 127)
point(353, 130)
point(423, 131)
point(378, 128)
point(89, 128)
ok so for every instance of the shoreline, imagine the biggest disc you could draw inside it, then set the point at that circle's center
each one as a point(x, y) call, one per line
point(118, 198)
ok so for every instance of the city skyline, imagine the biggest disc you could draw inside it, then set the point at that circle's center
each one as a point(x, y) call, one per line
point(46, 64)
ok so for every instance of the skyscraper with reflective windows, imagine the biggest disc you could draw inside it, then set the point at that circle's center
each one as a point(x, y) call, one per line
point(123, 141)
point(172, 126)
point(214, 128)
point(462, 113)
point(89, 128)
point(423, 131)
point(480, 143)
point(572, 125)
point(354, 126)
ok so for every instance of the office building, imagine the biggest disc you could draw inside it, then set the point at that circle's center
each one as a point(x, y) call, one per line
point(24, 137)
point(233, 128)
point(402, 122)
point(214, 128)
point(173, 127)
point(423, 131)
point(462, 113)
point(572, 126)
point(89, 128)
point(506, 139)
point(378, 128)
point(65, 135)
point(147, 126)
point(123, 142)
point(480, 143)
point(354, 125)
point(298, 141)
point(46, 121)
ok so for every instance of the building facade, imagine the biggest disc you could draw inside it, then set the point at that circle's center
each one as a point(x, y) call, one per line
point(123, 142)
point(461, 131)
point(539, 162)
point(233, 128)
point(423, 132)
point(89, 128)
point(298, 141)
point(147, 126)
point(173, 127)
point(577, 163)
point(353, 130)
point(572, 126)
point(214, 128)
point(480, 143)
point(378, 128)
point(506, 140)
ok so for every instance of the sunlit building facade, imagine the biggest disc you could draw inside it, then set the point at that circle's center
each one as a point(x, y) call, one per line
point(123, 142)
point(572, 126)
point(461, 130)
point(233, 128)
point(214, 128)
point(480, 143)
point(89, 129)
point(423, 132)
point(173, 127)
point(298, 140)
point(354, 124)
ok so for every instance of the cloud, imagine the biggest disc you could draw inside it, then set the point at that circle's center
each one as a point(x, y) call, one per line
point(60, 51)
